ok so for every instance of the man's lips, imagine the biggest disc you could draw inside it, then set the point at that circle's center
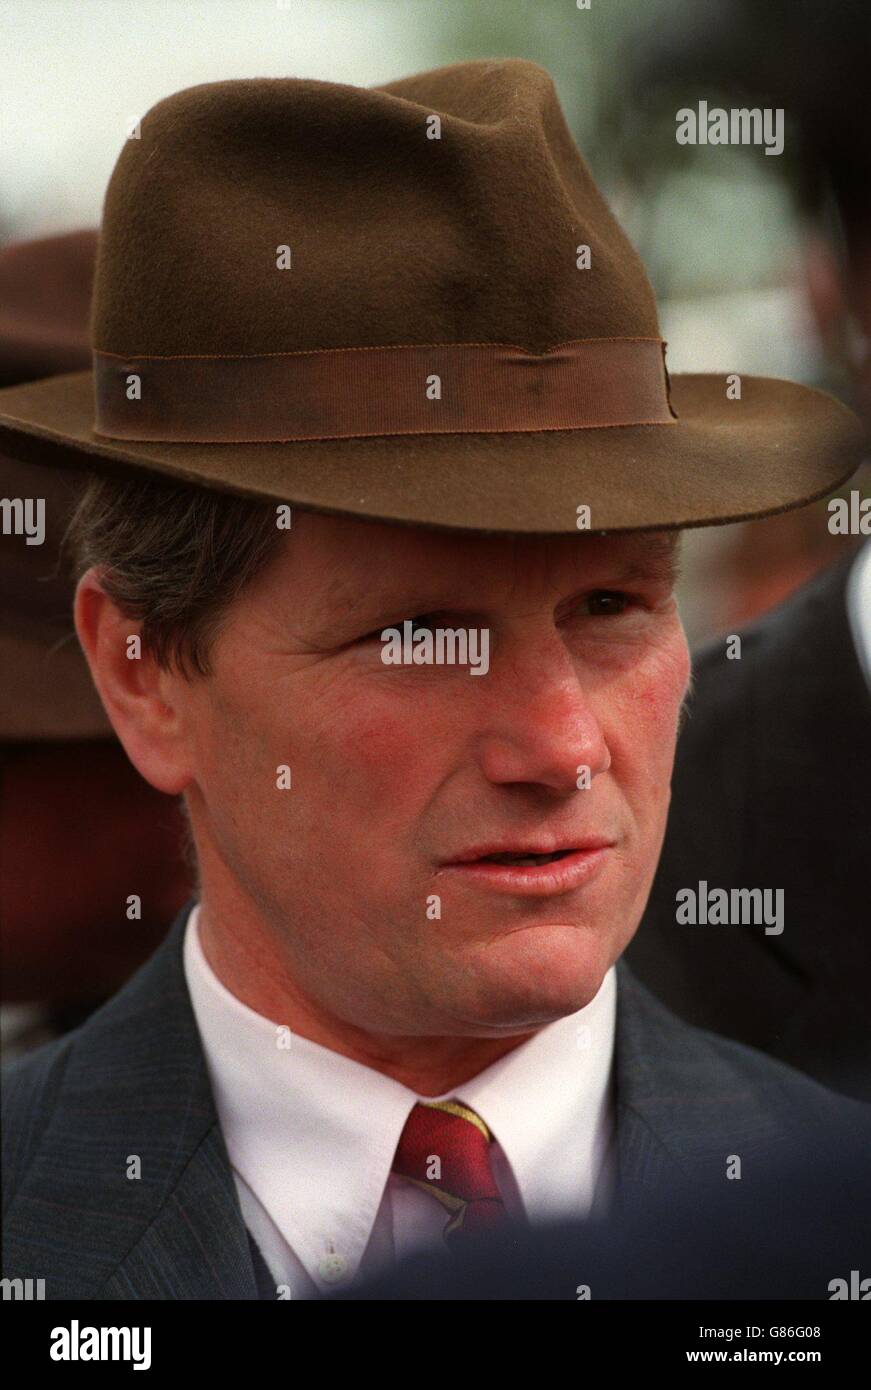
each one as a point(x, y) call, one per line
point(517, 849)
point(529, 869)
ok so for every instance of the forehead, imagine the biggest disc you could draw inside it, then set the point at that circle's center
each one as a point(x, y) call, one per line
point(335, 562)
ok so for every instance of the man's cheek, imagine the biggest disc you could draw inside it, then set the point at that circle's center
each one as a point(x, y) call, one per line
point(387, 743)
point(375, 777)
point(656, 720)
point(657, 692)
point(641, 735)
point(230, 765)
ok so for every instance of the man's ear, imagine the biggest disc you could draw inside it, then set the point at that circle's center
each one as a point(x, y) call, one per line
point(145, 704)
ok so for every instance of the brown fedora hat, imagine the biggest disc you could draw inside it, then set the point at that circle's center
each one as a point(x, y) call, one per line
point(408, 302)
point(46, 691)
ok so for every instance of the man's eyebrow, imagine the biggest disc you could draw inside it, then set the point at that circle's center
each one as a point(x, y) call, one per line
point(361, 602)
point(659, 560)
point(357, 608)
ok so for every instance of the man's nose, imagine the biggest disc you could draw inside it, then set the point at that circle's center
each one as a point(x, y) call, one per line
point(540, 726)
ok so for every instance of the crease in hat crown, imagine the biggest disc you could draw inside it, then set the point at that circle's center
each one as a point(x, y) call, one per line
point(395, 238)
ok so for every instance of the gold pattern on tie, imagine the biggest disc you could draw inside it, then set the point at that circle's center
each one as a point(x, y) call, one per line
point(453, 1107)
point(445, 1150)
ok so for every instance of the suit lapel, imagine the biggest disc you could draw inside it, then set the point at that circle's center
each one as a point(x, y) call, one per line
point(132, 1162)
point(645, 1160)
point(197, 1246)
point(682, 1105)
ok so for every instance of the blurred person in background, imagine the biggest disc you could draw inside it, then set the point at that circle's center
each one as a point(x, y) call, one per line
point(78, 824)
point(772, 781)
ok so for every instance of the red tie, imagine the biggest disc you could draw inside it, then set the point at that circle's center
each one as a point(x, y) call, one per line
point(445, 1148)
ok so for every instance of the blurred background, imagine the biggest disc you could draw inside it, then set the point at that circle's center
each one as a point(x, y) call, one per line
point(760, 264)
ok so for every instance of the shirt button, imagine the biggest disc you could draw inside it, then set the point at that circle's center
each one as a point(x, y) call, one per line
point(333, 1268)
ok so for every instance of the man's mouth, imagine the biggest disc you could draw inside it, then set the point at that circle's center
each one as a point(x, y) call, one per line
point(526, 871)
point(522, 855)
point(523, 859)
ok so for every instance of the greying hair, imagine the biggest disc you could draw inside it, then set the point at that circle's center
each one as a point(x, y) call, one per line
point(172, 557)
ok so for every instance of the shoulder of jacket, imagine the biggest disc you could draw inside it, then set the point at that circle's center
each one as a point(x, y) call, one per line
point(29, 1088)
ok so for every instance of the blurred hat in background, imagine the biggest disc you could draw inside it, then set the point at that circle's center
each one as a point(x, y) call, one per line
point(46, 692)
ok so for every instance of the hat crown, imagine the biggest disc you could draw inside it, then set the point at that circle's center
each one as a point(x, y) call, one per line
point(394, 236)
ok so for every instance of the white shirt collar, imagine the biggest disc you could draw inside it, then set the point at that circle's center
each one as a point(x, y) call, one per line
point(313, 1134)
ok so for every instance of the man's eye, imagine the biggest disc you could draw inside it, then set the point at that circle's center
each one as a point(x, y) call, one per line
point(424, 620)
point(606, 603)
point(427, 620)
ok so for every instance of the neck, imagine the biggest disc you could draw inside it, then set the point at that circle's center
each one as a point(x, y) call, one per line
point(251, 966)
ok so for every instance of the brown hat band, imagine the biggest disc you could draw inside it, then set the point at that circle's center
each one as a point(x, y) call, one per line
point(341, 393)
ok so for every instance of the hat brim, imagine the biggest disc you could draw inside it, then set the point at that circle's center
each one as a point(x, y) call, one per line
point(780, 446)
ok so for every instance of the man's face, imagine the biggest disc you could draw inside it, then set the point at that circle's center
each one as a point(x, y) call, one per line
point(400, 771)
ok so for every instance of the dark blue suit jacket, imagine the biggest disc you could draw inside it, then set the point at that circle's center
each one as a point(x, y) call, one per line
point(132, 1081)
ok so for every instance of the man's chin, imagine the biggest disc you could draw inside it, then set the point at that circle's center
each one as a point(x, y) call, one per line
point(533, 976)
